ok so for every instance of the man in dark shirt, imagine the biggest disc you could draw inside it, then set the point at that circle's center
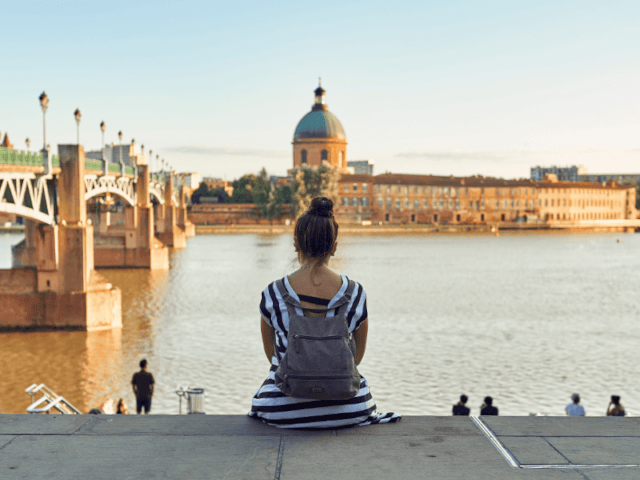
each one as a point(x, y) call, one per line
point(488, 408)
point(459, 408)
point(142, 382)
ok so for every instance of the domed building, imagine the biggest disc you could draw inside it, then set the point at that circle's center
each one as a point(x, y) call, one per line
point(319, 136)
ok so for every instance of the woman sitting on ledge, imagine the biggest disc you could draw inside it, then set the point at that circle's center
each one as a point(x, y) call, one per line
point(314, 291)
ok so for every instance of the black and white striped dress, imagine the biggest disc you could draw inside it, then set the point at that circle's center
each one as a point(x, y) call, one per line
point(275, 408)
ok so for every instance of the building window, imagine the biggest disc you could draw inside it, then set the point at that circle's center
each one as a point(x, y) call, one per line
point(406, 190)
point(416, 205)
point(355, 201)
point(364, 187)
point(482, 206)
point(345, 201)
point(397, 203)
point(303, 155)
point(425, 203)
point(477, 205)
point(497, 204)
point(466, 190)
point(346, 188)
point(457, 204)
point(365, 202)
point(440, 190)
point(378, 189)
point(450, 203)
point(470, 204)
point(517, 203)
point(482, 190)
point(355, 187)
point(388, 203)
point(380, 202)
point(325, 155)
point(406, 203)
point(415, 190)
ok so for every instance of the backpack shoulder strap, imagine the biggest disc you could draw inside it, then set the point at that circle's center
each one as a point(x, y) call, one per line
point(292, 303)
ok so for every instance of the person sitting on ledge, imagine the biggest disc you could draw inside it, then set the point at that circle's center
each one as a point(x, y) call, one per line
point(460, 408)
point(314, 290)
point(122, 409)
point(575, 409)
point(615, 409)
point(487, 408)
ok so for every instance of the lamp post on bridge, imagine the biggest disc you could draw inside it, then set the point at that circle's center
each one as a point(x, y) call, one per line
point(120, 156)
point(44, 103)
point(78, 116)
point(28, 143)
point(103, 128)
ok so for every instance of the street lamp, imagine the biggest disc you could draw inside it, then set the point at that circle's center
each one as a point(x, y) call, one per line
point(44, 103)
point(28, 143)
point(120, 137)
point(78, 116)
point(150, 160)
point(102, 127)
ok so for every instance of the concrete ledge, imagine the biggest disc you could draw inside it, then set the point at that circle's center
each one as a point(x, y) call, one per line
point(237, 447)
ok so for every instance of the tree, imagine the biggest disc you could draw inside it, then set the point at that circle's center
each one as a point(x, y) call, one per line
point(242, 189)
point(261, 192)
point(311, 182)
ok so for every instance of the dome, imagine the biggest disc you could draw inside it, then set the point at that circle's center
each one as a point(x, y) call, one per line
point(319, 122)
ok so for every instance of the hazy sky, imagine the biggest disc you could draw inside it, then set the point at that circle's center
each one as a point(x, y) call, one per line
point(459, 87)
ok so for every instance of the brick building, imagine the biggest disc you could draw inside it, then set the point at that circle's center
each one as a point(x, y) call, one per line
point(401, 199)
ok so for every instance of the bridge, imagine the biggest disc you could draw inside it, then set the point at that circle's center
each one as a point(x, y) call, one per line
point(53, 282)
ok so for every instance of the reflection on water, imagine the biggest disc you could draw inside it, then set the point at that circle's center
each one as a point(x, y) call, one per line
point(528, 319)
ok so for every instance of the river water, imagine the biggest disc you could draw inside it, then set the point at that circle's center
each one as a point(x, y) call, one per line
point(526, 318)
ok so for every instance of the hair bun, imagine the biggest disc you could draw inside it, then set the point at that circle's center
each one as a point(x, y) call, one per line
point(322, 207)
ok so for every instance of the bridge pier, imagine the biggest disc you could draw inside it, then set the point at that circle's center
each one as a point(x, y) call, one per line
point(60, 289)
point(170, 232)
point(138, 248)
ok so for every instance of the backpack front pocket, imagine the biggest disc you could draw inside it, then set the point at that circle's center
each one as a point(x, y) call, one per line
point(331, 354)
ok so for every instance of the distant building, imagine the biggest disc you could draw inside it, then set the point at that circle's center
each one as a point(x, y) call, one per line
point(626, 178)
point(190, 179)
point(112, 153)
point(319, 137)
point(361, 166)
point(6, 143)
point(401, 199)
point(564, 174)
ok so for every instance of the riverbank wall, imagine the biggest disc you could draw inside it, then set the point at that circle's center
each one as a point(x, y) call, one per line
point(237, 447)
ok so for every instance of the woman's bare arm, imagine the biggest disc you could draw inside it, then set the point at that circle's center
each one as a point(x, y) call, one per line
point(267, 338)
point(361, 340)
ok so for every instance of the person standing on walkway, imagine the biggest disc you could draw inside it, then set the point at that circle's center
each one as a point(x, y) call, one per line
point(460, 408)
point(487, 408)
point(142, 383)
point(615, 409)
point(575, 409)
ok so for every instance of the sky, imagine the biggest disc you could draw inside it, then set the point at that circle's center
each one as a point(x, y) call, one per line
point(426, 87)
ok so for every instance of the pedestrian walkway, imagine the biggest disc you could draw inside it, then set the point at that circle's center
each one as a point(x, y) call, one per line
point(237, 447)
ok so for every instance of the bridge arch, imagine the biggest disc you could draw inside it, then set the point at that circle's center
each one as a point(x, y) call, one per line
point(122, 187)
point(27, 195)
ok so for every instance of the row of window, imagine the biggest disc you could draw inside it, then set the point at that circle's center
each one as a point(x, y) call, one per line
point(580, 203)
point(324, 155)
point(585, 216)
point(355, 201)
point(454, 191)
point(450, 204)
point(355, 187)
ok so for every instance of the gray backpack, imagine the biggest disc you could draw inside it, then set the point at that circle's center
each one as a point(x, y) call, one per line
point(320, 359)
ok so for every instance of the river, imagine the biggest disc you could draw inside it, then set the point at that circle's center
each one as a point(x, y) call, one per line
point(526, 318)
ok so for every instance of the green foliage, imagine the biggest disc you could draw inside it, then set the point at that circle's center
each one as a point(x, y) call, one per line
point(243, 189)
point(204, 191)
point(310, 183)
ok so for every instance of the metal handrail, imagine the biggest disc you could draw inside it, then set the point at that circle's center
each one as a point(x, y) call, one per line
point(50, 399)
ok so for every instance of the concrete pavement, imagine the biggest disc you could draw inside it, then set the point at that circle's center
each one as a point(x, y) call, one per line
point(237, 447)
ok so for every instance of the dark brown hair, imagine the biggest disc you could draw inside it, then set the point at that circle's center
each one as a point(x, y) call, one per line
point(316, 230)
